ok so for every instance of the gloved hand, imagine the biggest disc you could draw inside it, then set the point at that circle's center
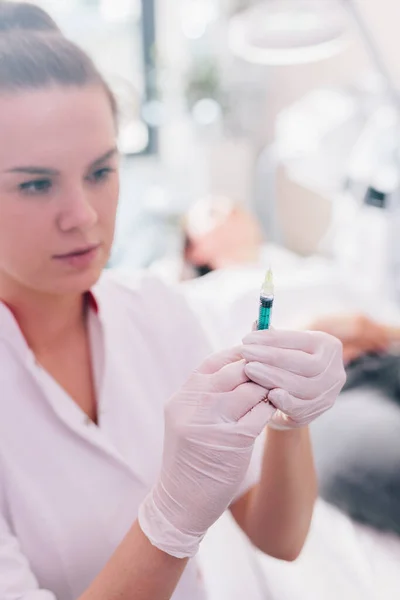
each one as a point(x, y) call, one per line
point(303, 372)
point(210, 428)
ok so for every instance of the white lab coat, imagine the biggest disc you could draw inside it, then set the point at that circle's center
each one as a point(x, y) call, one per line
point(70, 490)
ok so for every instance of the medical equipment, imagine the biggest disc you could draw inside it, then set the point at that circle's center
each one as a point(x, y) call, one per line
point(365, 232)
point(266, 301)
point(363, 235)
point(289, 32)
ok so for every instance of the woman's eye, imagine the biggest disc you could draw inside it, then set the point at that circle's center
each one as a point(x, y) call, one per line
point(37, 186)
point(101, 175)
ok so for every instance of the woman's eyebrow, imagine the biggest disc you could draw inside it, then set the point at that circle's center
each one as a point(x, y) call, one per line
point(43, 171)
point(105, 157)
point(33, 171)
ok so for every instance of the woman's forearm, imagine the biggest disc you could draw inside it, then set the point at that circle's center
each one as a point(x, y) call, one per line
point(136, 571)
point(279, 510)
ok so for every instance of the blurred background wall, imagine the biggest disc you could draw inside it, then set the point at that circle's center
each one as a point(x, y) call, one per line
point(198, 119)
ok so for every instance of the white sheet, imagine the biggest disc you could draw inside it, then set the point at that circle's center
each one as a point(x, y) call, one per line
point(341, 561)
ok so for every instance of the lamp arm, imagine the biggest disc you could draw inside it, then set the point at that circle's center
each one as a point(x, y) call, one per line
point(373, 50)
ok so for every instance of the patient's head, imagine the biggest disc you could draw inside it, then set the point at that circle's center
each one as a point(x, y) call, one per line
point(220, 233)
point(58, 158)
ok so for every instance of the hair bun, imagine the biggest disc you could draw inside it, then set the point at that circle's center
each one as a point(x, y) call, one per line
point(16, 16)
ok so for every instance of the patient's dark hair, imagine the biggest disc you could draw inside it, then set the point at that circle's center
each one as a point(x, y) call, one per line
point(35, 55)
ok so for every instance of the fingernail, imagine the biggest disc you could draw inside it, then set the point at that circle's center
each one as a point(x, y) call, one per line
point(276, 395)
point(252, 369)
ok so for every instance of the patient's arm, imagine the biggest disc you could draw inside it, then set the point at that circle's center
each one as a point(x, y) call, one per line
point(358, 333)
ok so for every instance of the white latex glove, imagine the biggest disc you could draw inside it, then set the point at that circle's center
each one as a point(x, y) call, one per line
point(210, 428)
point(303, 372)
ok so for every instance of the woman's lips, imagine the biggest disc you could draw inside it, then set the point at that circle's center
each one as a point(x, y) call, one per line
point(80, 259)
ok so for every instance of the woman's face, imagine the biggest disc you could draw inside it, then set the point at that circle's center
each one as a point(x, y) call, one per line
point(58, 189)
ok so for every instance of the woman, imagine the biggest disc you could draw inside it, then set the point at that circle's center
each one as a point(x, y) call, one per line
point(101, 496)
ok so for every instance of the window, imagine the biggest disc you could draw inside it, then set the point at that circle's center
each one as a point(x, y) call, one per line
point(120, 36)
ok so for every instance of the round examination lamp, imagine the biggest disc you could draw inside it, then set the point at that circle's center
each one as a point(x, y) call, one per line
point(289, 32)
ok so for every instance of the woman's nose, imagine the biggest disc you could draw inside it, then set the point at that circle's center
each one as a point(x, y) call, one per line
point(77, 212)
